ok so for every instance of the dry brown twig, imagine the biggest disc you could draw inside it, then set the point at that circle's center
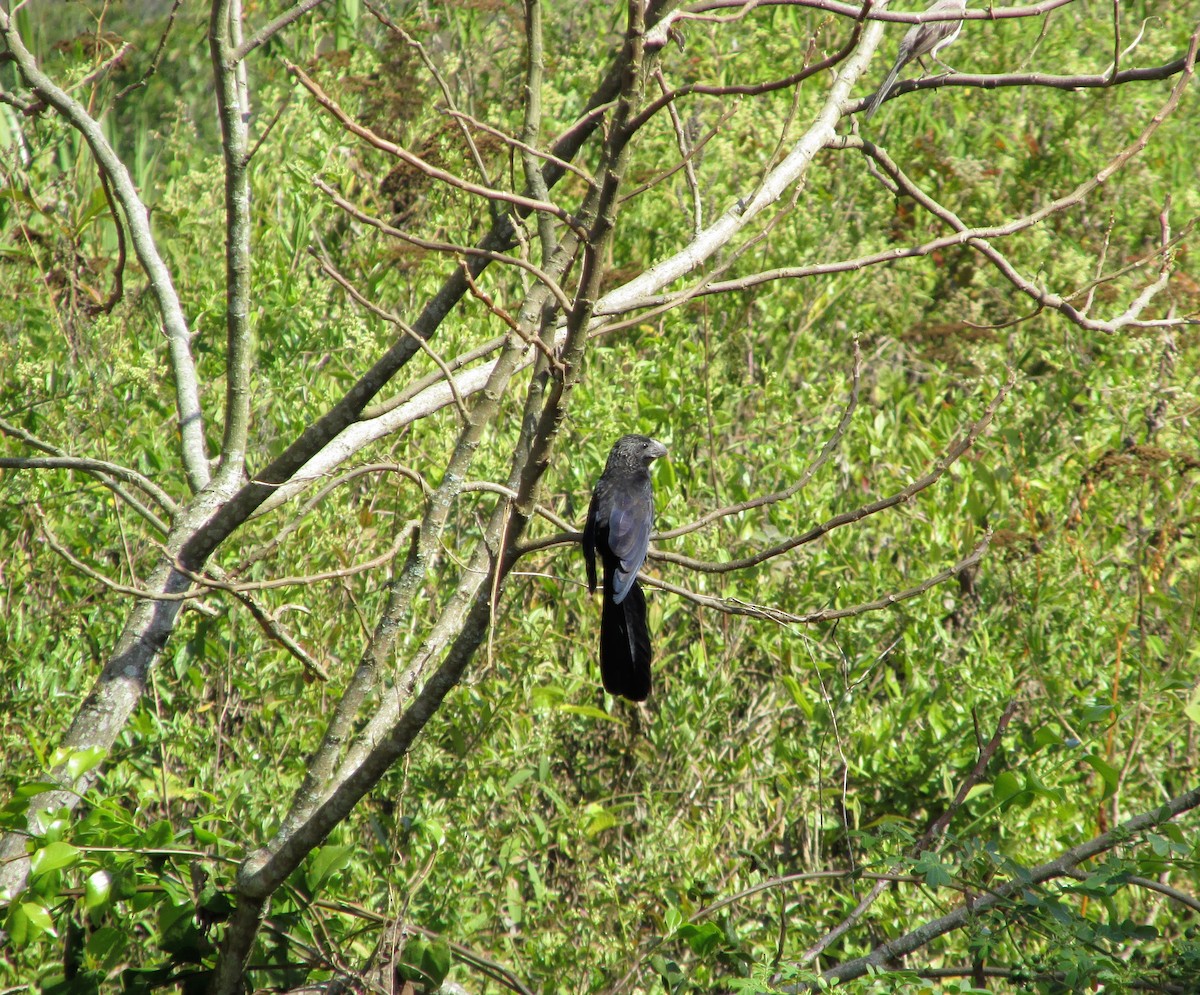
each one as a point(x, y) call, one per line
point(434, 172)
point(450, 248)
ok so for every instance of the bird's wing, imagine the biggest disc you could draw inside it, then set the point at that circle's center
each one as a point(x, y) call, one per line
point(589, 540)
point(629, 519)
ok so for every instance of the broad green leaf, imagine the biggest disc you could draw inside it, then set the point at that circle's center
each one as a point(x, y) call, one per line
point(1110, 775)
point(589, 711)
point(97, 890)
point(53, 857)
point(324, 863)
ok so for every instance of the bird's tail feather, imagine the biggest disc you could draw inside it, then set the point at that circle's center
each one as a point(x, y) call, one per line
point(883, 91)
point(625, 645)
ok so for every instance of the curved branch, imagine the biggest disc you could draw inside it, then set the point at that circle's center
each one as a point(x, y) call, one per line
point(560, 295)
point(101, 469)
point(1175, 894)
point(137, 218)
point(733, 606)
point(271, 29)
point(766, 500)
point(953, 454)
point(996, 81)
point(401, 153)
point(1045, 298)
point(876, 13)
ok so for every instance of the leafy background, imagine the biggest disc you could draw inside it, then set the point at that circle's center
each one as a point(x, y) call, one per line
point(538, 825)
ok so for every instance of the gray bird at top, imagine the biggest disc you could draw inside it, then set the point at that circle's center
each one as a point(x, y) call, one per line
point(928, 38)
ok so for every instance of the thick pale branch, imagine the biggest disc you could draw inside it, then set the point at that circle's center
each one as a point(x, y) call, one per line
point(224, 23)
point(772, 186)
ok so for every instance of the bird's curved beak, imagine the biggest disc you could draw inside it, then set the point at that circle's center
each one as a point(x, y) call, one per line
point(657, 449)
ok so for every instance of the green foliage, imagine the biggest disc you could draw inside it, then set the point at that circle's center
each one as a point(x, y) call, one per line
point(580, 842)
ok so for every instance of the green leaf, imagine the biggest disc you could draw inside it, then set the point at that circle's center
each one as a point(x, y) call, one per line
point(97, 889)
point(1192, 708)
point(598, 820)
point(934, 871)
point(702, 938)
point(1110, 775)
point(26, 922)
point(435, 961)
point(589, 711)
point(82, 761)
point(1006, 786)
point(105, 946)
point(518, 778)
point(325, 862)
point(802, 700)
point(1099, 712)
point(52, 858)
point(672, 919)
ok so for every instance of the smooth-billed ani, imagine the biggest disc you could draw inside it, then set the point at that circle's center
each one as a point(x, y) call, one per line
point(618, 529)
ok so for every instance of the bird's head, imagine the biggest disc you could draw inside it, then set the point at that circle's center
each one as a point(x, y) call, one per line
point(636, 450)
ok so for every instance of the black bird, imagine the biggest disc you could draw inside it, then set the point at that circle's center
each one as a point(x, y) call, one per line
point(921, 40)
point(618, 529)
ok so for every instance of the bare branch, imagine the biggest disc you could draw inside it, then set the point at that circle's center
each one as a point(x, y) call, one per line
point(875, 12)
point(999, 894)
point(995, 81)
point(718, 235)
point(1175, 894)
point(154, 59)
point(101, 469)
point(520, 146)
point(223, 27)
point(449, 247)
point(401, 153)
point(432, 69)
point(903, 496)
point(183, 366)
point(755, 89)
point(734, 606)
point(361, 300)
point(271, 29)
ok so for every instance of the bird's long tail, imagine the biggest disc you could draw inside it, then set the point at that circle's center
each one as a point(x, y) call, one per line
point(625, 644)
point(883, 91)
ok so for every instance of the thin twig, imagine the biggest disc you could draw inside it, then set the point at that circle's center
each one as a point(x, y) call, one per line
point(447, 247)
point(434, 172)
point(903, 496)
point(734, 606)
point(362, 300)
